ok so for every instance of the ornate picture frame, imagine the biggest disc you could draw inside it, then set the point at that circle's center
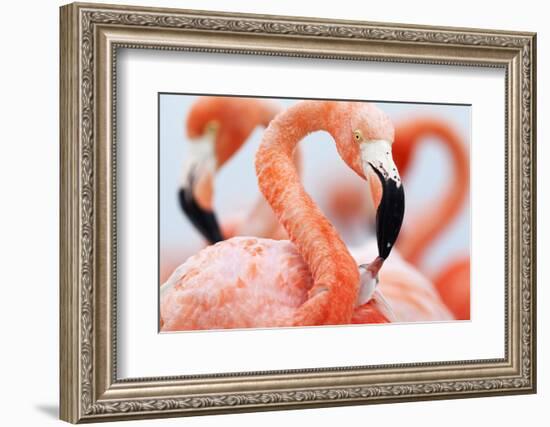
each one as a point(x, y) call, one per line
point(90, 37)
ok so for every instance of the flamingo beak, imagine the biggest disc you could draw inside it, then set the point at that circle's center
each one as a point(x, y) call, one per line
point(389, 215)
point(203, 218)
point(377, 158)
point(196, 191)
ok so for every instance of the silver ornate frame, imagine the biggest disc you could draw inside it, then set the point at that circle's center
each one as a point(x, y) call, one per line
point(90, 36)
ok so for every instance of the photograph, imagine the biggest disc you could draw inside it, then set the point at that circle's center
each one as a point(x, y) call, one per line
point(278, 212)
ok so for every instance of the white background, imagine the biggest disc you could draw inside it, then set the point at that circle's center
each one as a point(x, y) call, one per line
point(29, 223)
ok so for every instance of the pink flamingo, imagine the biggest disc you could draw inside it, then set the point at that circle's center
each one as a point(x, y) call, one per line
point(410, 305)
point(453, 280)
point(311, 279)
point(217, 128)
point(453, 284)
point(427, 226)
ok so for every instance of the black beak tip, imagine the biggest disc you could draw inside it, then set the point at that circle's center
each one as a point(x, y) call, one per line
point(205, 221)
point(390, 213)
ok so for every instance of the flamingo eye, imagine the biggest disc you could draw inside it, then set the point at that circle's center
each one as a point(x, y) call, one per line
point(212, 127)
point(357, 135)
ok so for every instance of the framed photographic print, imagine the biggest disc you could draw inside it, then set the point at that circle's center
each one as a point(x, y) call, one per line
point(266, 212)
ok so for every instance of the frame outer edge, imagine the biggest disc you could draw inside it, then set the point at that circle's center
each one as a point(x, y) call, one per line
point(78, 340)
point(68, 206)
point(533, 219)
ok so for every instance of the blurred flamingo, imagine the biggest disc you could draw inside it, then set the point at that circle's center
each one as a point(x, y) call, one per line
point(426, 227)
point(347, 201)
point(311, 279)
point(453, 280)
point(217, 127)
point(453, 284)
point(409, 294)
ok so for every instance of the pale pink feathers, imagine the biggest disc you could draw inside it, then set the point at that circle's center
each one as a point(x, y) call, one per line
point(260, 284)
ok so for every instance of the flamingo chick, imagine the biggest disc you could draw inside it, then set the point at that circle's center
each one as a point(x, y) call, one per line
point(311, 279)
point(217, 128)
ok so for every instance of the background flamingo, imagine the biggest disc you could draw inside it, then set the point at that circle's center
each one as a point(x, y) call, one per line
point(444, 207)
point(453, 284)
point(312, 280)
point(217, 127)
point(453, 280)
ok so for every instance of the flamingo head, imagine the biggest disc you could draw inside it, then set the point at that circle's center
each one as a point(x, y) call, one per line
point(228, 121)
point(364, 136)
point(216, 128)
point(197, 186)
point(199, 168)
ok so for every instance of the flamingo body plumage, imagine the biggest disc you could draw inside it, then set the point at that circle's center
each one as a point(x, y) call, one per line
point(193, 297)
point(410, 294)
point(264, 282)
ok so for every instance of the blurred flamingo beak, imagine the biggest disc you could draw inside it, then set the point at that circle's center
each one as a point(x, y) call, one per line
point(196, 192)
point(204, 220)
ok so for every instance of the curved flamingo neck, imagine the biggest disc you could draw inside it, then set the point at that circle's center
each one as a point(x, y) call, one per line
point(427, 226)
point(261, 221)
point(330, 263)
